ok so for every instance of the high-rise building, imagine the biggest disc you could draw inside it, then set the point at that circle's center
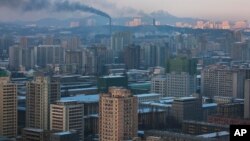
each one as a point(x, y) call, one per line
point(148, 55)
point(5, 43)
point(182, 64)
point(187, 108)
point(41, 92)
point(48, 40)
point(49, 54)
point(33, 134)
point(154, 54)
point(174, 84)
point(247, 99)
point(162, 53)
point(132, 57)
point(101, 57)
point(118, 119)
point(80, 62)
point(21, 58)
point(158, 84)
point(23, 42)
point(8, 107)
point(73, 61)
point(67, 115)
point(15, 57)
point(73, 42)
point(240, 51)
point(180, 84)
point(120, 40)
point(217, 80)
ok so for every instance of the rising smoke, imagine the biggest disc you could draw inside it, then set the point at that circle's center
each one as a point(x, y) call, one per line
point(26, 5)
point(56, 5)
point(76, 6)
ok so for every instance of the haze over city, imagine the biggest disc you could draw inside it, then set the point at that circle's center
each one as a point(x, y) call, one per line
point(124, 70)
point(203, 9)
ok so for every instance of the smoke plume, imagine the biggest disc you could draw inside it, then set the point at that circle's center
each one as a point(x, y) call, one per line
point(56, 5)
point(76, 6)
point(25, 5)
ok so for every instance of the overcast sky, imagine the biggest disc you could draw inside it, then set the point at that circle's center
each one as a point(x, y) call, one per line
point(207, 9)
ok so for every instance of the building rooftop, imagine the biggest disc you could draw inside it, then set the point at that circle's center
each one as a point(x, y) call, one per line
point(205, 123)
point(112, 76)
point(185, 98)
point(209, 105)
point(67, 76)
point(214, 135)
point(148, 110)
point(82, 98)
point(3, 73)
point(147, 95)
point(168, 98)
point(75, 85)
point(80, 89)
point(34, 129)
point(63, 133)
point(169, 101)
point(155, 103)
point(161, 105)
point(5, 139)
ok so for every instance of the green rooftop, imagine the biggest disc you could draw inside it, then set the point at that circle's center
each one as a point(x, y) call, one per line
point(3, 73)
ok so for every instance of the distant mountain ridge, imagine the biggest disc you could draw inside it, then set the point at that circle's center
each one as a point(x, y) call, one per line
point(163, 17)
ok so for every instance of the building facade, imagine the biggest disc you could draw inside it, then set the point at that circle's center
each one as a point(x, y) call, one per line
point(8, 108)
point(66, 116)
point(118, 118)
point(187, 108)
point(222, 81)
point(158, 84)
point(174, 84)
point(247, 99)
point(41, 92)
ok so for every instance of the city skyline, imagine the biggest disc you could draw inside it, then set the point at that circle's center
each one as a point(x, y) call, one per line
point(141, 70)
point(221, 10)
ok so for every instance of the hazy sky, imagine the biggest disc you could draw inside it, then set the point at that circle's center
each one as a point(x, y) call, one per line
point(207, 9)
point(224, 9)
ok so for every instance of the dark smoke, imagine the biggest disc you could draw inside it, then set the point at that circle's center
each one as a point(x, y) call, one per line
point(58, 6)
point(76, 6)
point(25, 5)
